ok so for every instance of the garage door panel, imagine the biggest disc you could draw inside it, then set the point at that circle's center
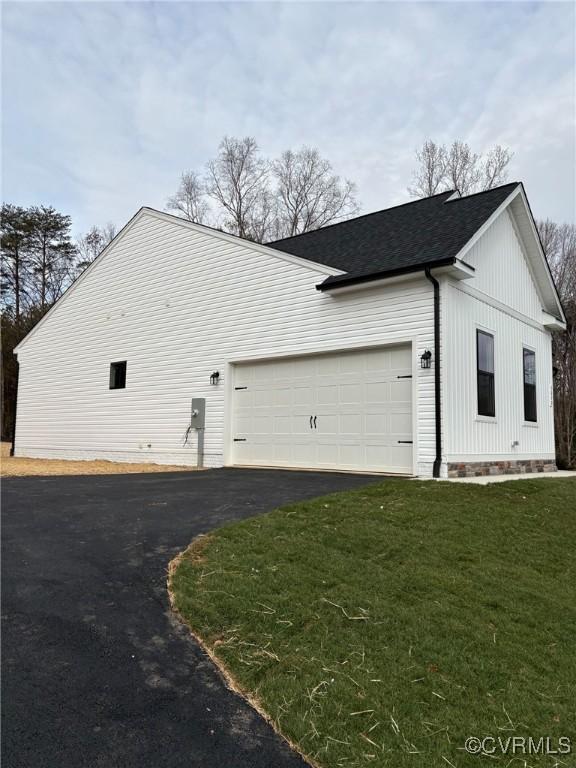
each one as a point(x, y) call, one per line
point(401, 359)
point(262, 373)
point(351, 424)
point(262, 398)
point(352, 456)
point(401, 423)
point(376, 424)
point(282, 396)
point(301, 425)
point(401, 391)
point(327, 366)
point(398, 457)
point(303, 395)
point(327, 424)
point(282, 453)
point(377, 392)
point(282, 370)
point(350, 393)
point(244, 398)
point(362, 411)
point(328, 454)
point(303, 454)
point(283, 425)
point(327, 394)
point(352, 363)
point(263, 425)
point(243, 424)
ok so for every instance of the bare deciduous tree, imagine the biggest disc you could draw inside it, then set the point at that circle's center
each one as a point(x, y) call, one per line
point(309, 194)
point(90, 245)
point(190, 199)
point(429, 178)
point(462, 171)
point(559, 242)
point(494, 168)
point(262, 200)
point(237, 179)
point(441, 168)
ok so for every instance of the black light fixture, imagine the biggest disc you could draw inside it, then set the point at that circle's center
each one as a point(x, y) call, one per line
point(426, 359)
point(215, 377)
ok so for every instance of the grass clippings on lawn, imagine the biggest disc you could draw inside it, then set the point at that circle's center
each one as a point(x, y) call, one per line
point(15, 466)
point(386, 625)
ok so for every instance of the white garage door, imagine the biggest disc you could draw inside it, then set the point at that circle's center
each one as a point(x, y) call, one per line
point(348, 410)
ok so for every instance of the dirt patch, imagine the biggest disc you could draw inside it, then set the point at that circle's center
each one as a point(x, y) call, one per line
point(195, 551)
point(14, 466)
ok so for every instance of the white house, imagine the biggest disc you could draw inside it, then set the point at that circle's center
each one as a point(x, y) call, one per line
point(415, 341)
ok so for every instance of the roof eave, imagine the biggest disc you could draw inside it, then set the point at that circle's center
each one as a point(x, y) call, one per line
point(332, 285)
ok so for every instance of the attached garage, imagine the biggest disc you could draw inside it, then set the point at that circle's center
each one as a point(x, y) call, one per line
point(348, 411)
point(326, 350)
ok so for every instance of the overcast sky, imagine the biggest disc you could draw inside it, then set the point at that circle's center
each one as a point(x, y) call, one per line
point(105, 104)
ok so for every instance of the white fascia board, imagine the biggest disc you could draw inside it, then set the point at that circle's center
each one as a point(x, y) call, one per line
point(552, 323)
point(458, 271)
point(559, 314)
point(378, 282)
point(519, 194)
point(487, 224)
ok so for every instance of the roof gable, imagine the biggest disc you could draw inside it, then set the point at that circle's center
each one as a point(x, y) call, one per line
point(321, 270)
point(417, 233)
point(502, 268)
point(438, 230)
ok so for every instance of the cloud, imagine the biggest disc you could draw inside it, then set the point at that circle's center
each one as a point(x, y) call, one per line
point(104, 104)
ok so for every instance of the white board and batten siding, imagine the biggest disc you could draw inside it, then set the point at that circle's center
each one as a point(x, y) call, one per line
point(502, 299)
point(178, 303)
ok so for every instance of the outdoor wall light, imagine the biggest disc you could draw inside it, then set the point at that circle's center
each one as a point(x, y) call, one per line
point(426, 359)
point(214, 378)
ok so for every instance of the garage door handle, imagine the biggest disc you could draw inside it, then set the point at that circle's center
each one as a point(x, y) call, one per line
point(310, 422)
point(315, 422)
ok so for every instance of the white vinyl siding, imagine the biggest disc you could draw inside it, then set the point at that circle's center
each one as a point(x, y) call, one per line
point(178, 303)
point(502, 270)
point(502, 300)
point(468, 437)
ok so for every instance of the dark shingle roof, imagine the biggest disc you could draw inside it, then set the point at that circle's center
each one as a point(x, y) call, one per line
point(416, 234)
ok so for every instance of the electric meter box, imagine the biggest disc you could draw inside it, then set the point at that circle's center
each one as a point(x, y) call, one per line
point(198, 416)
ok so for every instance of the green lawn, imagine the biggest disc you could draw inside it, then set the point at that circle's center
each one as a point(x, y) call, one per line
point(385, 625)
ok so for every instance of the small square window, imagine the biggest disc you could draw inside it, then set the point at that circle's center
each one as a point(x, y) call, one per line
point(118, 375)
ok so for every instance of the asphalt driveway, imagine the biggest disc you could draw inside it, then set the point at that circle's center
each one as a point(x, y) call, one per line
point(96, 670)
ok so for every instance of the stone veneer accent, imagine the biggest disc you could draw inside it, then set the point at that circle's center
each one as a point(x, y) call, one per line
point(483, 468)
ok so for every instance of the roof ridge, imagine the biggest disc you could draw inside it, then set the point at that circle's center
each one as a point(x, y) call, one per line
point(483, 192)
point(362, 216)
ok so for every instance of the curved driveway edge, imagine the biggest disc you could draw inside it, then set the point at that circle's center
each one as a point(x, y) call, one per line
point(97, 671)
